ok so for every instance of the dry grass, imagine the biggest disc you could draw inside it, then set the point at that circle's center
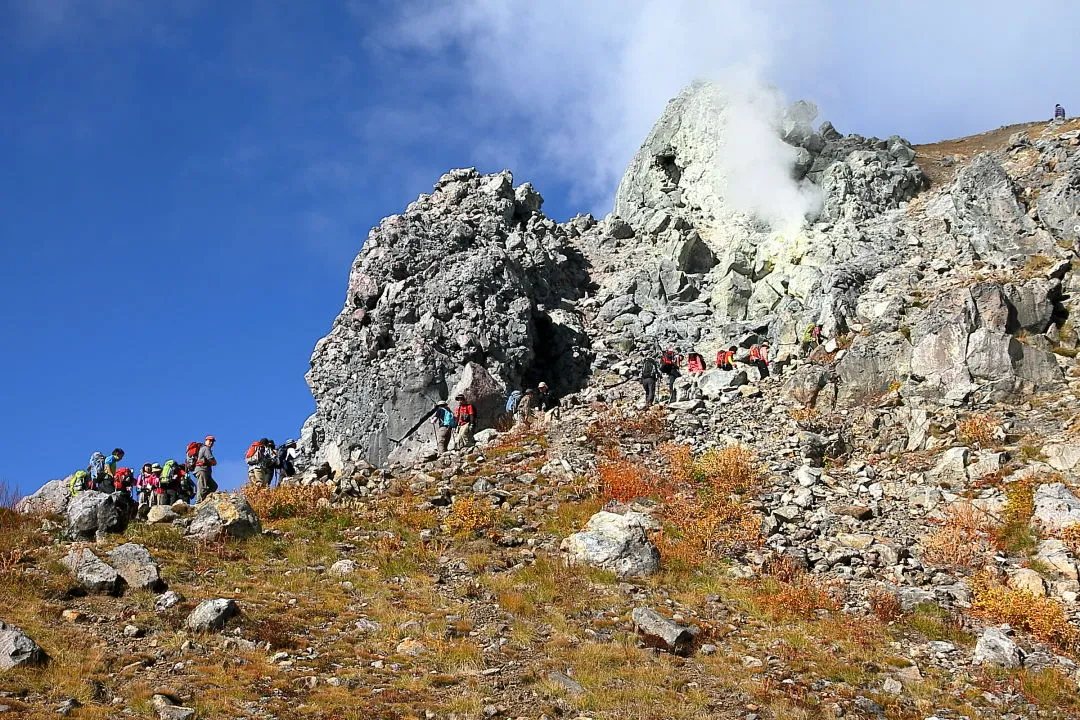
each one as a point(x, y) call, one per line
point(615, 427)
point(787, 592)
point(1071, 537)
point(1015, 534)
point(289, 501)
point(885, 605)
point(471, 515)
point(1045, 618)
point(978, 431)
point(961, 539)
point(624, 480)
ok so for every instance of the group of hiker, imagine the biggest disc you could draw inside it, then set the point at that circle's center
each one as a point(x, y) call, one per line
point(157, 483)
point(669, 362)
point(454, 427)
point(264, 459)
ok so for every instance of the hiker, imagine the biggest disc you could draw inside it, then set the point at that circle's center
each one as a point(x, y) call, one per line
point(525, 406)
point(1059, 112)
point(649, 372)
point(286, 460)
point(725, 359)
point(112, 461)
point(465, 415)
point(144, 489)
point(444, 422)
point(759, 358)
point(185, 485)
point(695, 363)
point(547, 402)
point(172, 473)
point(204, 469)
point(161, 491)
point(123, 481)
point(669, 366)
point(811, 338)
point(261, 460)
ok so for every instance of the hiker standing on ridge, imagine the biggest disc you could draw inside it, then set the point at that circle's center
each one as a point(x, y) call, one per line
point(260, 460)
point(669, 366)
point(444, 422)
point(204, 469)
point(1059, 112)
point(759, 358)
point(549, 404)
point(523, 414)
point(112, 461)
point(466, 414)
point(725, 359)
point(649, 372)
point(286, 460)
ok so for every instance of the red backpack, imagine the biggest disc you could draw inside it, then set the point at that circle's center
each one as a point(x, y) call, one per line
point(192, 455)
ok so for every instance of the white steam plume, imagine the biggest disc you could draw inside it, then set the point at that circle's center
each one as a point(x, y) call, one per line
point(588, 80)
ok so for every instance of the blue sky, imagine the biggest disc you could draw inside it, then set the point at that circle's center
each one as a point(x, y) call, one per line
point(185, 182)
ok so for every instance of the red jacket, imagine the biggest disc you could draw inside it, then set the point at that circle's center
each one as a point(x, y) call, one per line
point(465, 413)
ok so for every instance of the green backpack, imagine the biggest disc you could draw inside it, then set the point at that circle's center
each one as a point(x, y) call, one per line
point(79, 481)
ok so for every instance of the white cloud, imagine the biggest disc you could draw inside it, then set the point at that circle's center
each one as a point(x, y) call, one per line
point(585, 81)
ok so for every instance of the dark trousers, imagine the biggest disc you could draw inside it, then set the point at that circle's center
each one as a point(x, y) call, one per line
point(649, 383)
point(671, 377)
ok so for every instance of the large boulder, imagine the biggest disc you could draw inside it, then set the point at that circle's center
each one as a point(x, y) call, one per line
point(50, 499)
point(134, 563)
point(91, 515)
point(615, 542)
point(471, 273)
point(224, 515)
point(713, 383)
point(995, 647)
point(92, 574)
point(18, 650)
point(212, 615)
point(1056, 508)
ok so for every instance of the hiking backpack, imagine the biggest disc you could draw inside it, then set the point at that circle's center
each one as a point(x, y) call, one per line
point(649, 369)
point(123, 479)
point(447, 419)
point(96, 468)
point(513, 401)
point(79, 481)
point(192, 455)
point(167, 472)
point(254, 453)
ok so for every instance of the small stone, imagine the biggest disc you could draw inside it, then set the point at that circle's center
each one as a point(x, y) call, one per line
point(859, 512)
point(411, 647)
point(566, 683)
point(132, 631)
point(995, 647)
point(660, 632)
point(168, 600)
point(893, 686)
point(342, 568)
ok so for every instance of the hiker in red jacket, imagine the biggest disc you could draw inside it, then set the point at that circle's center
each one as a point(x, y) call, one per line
point(466, 415)
point(759, 358)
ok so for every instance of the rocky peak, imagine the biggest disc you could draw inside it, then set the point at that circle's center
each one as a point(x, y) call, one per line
point(471, 288)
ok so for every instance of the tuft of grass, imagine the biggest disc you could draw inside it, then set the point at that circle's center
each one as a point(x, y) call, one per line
point(961, 538)
point(471, 515)
point(290, 501)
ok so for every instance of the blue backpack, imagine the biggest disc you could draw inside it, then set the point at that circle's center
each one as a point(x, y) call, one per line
point(96, 468)
point(513, 401)
point(447, 418)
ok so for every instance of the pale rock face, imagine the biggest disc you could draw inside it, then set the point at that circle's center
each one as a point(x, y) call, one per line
point(617, 543)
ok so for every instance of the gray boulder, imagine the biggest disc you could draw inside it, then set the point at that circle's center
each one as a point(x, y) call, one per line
point(660, 632)
point(1056, 508)
point(91, 515)
point(50, 499)
point(212, 615)
point(18, 650)
point(713, 383)
point(168, 600)
point(995, 647)
point(161, 515)
point(615, 542)
point(224, 515)
point(134, 564)
point(92, 574)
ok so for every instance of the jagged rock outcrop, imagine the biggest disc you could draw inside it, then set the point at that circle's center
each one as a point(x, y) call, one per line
point(470, 289)
point(737, 222)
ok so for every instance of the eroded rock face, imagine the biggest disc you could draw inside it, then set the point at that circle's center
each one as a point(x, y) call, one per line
point(470, 288)
point(52, 498)
point(92, 515)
